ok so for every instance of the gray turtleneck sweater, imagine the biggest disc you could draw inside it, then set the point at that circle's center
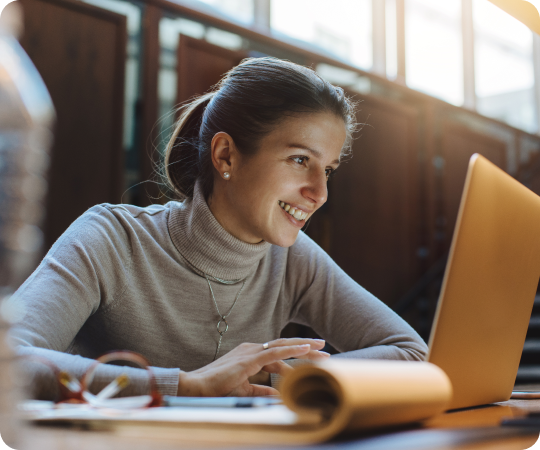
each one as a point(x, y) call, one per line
point(124, 277)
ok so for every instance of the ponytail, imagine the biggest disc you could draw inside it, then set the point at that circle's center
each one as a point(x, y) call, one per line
point(183, 162)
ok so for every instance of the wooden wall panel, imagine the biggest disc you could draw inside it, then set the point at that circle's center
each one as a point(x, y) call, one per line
point(80, 52)
point(201, 65)
point(529, 174)
point(534, 184)
point(374, 202)
point(458, 144)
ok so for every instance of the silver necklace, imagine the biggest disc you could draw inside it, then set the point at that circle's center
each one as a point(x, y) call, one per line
point(222, 325)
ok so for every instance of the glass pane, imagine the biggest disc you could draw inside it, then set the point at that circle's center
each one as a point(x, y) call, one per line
point(434, 53)
point(342, 31)
point(237, 10)
point(170, 28)
point(503, 67)
point(224, 39)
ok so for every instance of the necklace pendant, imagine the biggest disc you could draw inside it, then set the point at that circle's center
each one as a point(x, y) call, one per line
point(222, 326)
point(220, 329)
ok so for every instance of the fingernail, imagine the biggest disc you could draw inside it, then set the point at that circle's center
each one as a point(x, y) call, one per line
point(320, 340)
point(305, 346)
point(324, 353)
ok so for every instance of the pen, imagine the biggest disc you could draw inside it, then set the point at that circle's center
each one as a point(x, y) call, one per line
point(220, 402)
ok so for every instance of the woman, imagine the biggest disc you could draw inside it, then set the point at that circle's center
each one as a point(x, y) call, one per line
point(197, 287)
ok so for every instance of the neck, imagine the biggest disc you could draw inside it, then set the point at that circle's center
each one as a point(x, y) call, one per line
point(223, 211)
point(207, 245)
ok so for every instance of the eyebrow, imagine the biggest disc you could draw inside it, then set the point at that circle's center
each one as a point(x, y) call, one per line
point(316, 153)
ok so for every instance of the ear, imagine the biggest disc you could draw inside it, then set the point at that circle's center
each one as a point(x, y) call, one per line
point(224, 153)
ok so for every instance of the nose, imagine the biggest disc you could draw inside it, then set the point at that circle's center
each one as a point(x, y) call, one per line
point(316, 189)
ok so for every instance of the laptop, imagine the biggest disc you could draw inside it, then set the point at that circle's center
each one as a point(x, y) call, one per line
point(489, 286)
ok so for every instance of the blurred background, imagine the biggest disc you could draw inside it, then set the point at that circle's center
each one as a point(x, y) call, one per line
point(437, 80)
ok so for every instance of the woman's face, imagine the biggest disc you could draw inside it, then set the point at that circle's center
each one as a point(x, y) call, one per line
point(288, 173)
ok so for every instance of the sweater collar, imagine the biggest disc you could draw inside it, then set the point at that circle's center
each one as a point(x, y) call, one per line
point(205, 244)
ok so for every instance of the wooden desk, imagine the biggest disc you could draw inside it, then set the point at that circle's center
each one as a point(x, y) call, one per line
point(471, 429)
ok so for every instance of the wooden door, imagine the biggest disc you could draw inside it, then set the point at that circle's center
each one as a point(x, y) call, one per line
point(80, 51)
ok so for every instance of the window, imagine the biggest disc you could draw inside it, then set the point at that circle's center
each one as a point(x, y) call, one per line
point(340, 29)
point(236, 10)
point(434, 49)
point(504, 71)
point(422, 45)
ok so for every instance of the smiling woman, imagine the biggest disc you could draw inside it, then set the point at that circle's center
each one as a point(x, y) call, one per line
point(202, 287)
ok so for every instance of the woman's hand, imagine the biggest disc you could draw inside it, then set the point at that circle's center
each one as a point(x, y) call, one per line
point(228, 376)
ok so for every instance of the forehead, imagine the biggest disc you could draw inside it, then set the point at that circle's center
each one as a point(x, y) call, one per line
point(323, 132)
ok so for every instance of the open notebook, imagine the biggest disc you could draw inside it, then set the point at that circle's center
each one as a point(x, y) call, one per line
point(320, 401)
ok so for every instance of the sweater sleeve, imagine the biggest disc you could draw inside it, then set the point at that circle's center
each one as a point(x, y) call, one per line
point(342, 312)
point(84, 271)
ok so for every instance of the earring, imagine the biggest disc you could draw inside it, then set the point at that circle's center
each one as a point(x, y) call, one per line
point(226, 175)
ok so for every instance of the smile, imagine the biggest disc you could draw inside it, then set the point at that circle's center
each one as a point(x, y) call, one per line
point(296, 213)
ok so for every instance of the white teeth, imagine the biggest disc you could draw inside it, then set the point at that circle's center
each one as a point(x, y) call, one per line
point(298, 214)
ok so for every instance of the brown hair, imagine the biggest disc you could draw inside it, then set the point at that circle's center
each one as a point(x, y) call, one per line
point(247, 103)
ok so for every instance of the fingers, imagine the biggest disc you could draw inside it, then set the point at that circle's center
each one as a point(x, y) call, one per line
point(279, 367)
point(230, 373)
point(315, 344)
point(256, 390)
point(274, 354)
point(315, 355)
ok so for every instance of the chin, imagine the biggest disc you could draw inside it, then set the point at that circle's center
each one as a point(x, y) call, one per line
point(284, 240)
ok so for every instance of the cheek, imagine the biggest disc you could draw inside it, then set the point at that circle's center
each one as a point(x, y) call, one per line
point(253, 199)
point(263, 184)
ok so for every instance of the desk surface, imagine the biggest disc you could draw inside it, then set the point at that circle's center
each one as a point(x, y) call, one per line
point(471, 429)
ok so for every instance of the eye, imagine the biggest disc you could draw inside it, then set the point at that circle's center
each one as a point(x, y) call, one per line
point(329, 173)
point(300, 159)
